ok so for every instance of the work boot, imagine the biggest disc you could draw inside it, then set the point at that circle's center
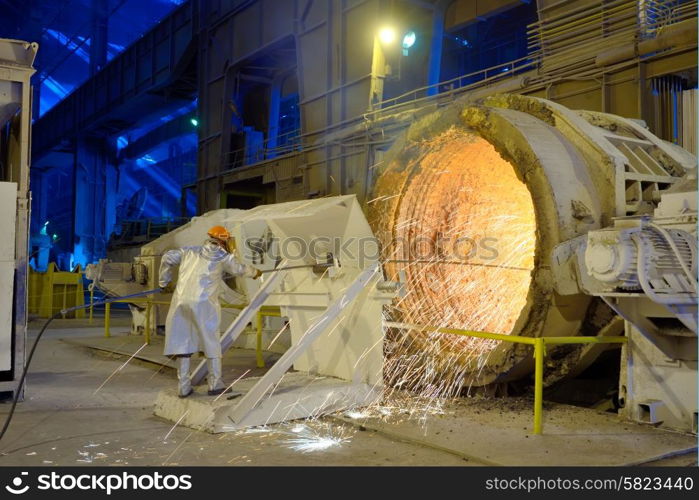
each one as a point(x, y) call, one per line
point(184, 382)
point(216, 385)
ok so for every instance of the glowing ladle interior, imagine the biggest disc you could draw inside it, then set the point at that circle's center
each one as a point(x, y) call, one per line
point(464, 234)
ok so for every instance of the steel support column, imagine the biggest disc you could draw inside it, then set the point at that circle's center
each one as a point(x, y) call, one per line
point(98, 38)
point(93, 194)
point(435, 61)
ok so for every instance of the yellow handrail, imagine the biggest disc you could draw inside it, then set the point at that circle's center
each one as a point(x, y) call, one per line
point(539, 344)
point(264, 311)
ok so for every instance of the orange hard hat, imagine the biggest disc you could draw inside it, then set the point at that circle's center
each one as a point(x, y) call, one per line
point(220, 233)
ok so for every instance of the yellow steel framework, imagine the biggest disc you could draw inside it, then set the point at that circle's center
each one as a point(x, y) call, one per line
point(539, 344)
point(149, 303)
point(53, 291)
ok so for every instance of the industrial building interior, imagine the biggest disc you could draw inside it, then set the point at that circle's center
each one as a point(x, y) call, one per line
point(473, 223)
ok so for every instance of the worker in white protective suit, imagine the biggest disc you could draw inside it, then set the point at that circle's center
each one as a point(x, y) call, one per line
point(194, 317)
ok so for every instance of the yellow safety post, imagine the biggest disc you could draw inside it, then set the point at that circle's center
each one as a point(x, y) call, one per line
point(539, 353)
point(107, 314)
point(92, 301)
point(146, 328)
point(65, 298)
point(258, 345)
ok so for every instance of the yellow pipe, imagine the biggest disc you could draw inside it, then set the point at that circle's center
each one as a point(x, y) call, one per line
point(258, 345)
point(539, 354)
point(107, 314)
point(514, 339)
point(266, 310)
point(141, 301)
point(487, 335)
point(467, 333)
point(584, 340)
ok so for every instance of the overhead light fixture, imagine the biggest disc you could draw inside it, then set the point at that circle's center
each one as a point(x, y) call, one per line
point(194, 122)
point(387, 35)
point(409, 39)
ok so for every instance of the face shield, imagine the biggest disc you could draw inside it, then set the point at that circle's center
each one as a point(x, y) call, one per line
point(230, 245)
point(227, 245)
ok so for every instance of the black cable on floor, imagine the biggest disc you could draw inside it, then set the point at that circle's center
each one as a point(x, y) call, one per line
point(24, 374)
point(38, 337)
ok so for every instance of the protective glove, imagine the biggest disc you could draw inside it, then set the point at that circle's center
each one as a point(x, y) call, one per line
point(169, 288)
point(258, 273)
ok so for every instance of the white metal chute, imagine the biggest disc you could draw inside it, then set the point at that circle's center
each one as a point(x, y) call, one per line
point(334, 316)
point(318, 328)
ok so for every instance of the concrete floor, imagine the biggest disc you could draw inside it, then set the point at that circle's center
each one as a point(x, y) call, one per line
point(89, 407)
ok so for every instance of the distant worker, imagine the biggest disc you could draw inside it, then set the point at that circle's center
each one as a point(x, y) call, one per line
point(194, 318)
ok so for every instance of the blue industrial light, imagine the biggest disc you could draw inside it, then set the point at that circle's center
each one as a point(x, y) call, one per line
point(194, 122)
point(409, 39)
point(461, 41)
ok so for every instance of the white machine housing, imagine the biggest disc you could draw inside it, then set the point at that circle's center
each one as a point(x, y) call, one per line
point(645, 268)
point(331, 302)
point(16, 60)
point(305, 233)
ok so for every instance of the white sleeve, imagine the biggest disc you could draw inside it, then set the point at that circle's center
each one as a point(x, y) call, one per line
point(233, 267)
point(171, 259)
